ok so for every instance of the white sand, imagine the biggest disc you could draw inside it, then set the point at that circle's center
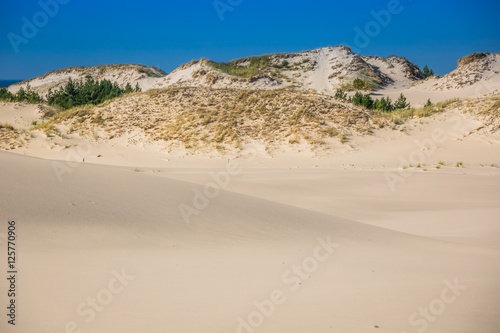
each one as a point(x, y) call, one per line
point(396, 248)
point(19, 115)
point(203, 276)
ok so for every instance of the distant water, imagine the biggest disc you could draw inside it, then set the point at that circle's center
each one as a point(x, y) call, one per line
point(6, 83)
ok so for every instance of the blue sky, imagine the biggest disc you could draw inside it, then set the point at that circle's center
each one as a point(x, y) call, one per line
point(167, 34)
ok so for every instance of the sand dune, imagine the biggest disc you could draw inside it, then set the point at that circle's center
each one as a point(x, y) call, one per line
point(323, 70)
point(206, 209)
point(78, 234)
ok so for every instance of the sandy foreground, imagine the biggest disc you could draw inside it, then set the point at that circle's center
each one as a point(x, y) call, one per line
point(348, 240)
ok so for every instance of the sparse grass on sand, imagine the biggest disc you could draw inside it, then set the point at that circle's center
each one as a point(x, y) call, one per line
point(202, 118)
point(252, 67)
point(399, 116)
point(11, 137)
point(7, 126)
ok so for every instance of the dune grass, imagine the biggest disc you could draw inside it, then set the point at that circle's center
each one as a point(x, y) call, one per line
point(204, 118)
point(399, 116)
point(256, 66)
point(7, 126)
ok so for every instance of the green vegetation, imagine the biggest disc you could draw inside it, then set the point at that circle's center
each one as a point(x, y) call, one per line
point(284, 64)
point(256, 67)
point(366, 84)
point(150, 72)
point(428, 72)
point(400, 110)
point(366, 101)
point(22, 95)
point(91, 92)
point(340, 94)
point(72, 94)
point(398, 116)
point(359, 84)
point(401, 103)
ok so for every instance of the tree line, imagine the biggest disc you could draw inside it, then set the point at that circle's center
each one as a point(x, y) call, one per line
point(366, 101)
point(72, 94)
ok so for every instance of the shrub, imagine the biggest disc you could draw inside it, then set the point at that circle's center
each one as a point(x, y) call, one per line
point(340, 94)
point(357, 98)
point(257, 65)
point(6, 95)
point(22, 95)
point(367, 101)
point(359, 84)
point(88, 92)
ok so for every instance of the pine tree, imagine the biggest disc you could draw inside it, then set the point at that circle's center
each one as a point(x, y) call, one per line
point(21, 95)
point(357, 98)
point(428, 72)
point(6, 95)
point(128, 89)
point(401, 103)
point(384, 104)
point(340, 94)
point(367, 101)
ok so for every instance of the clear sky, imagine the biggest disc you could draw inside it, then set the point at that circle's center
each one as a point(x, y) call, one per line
point(168, 33)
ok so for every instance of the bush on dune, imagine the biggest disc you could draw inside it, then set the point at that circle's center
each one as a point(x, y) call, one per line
point(22, 95)
point(72, 94)
point(88, 92)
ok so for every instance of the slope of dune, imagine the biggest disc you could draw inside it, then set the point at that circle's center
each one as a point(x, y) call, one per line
point(470, 70)
point(206, 119)
point(204, 209)
point(477, 75)
point(120, 73)
point(323, 70)
point(267, 265)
